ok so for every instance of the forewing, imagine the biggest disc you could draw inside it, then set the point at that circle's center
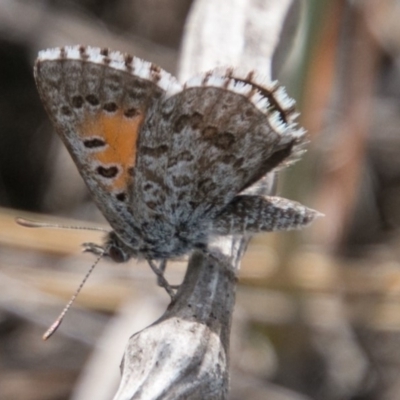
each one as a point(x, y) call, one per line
point(98, 100)
point(208, 143)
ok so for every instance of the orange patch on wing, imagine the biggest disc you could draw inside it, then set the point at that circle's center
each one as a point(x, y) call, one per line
point(121, 134)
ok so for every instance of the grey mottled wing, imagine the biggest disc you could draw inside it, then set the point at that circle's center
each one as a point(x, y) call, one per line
point(208, 143)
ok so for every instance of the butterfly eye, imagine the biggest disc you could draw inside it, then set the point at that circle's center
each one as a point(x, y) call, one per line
point(117, 255)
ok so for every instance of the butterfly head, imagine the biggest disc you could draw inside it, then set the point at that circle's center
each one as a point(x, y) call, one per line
point(117, 250)
point(114, 248)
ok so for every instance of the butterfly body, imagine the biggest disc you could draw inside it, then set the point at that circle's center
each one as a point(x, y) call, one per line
point(169, 165)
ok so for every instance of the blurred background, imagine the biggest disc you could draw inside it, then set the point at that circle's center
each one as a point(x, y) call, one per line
point(318, 312)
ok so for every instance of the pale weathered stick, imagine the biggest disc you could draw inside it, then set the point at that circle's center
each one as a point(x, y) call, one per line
point(184, 355)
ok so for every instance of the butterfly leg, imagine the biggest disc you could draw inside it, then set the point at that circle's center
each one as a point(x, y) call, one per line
point(162, 267)
point(159, 271)
point(94, 248)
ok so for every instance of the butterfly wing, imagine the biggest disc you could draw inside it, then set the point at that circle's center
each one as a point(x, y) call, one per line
point(98, 100)
point(210, 142)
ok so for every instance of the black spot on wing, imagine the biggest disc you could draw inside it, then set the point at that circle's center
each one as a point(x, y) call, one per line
point(94, 143)
point(107, 172)
point(92, 100)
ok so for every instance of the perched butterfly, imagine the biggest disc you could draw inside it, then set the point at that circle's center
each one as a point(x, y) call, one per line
point(169, 164)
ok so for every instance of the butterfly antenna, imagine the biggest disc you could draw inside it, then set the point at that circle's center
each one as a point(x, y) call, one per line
point(54, 326)
point(28, 223)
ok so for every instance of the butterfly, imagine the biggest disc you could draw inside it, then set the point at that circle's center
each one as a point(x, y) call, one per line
point(169, 165)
